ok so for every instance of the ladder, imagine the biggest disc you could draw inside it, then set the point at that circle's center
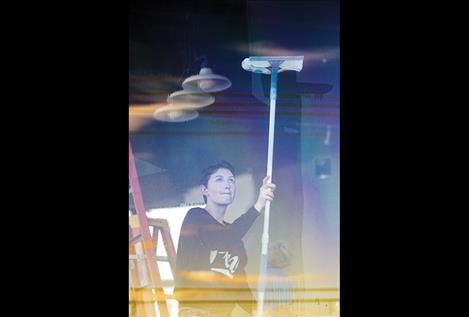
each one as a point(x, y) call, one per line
point(141, 297)
point(138, 277)
point(144, 275)
point(162, 226)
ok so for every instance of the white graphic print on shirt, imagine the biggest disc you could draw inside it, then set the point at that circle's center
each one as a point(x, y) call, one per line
point(229, 262)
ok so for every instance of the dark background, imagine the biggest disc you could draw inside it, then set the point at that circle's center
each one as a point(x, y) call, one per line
point(166, 40)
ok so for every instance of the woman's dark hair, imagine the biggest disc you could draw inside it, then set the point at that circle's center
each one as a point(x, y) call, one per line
point(207, 172)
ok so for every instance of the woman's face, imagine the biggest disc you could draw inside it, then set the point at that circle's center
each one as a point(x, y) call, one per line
point(221, 187)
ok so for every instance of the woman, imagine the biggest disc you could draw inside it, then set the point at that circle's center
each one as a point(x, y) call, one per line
point(211, 258)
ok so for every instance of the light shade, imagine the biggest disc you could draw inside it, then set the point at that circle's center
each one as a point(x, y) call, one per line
point(190, 98)
point(175, 113)
point(206, 81)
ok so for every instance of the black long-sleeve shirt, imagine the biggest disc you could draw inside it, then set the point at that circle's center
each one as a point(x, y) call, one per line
point(205, 245)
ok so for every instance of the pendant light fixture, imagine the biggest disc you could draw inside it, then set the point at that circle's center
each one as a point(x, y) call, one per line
point(175, 113)
point(206, 80)
point(182, 105)
point(191, 98)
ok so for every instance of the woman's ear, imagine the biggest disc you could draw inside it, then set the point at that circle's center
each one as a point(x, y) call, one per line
point(203, 189)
